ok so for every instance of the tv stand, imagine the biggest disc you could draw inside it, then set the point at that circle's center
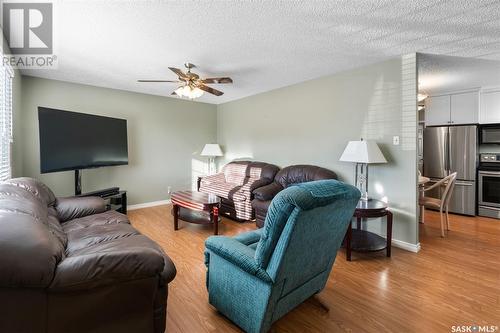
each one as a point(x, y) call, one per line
point(115, 199)
point(102, 193)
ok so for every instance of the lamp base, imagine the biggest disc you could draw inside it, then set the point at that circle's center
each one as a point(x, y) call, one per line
point(211, 166)
point(365, 197)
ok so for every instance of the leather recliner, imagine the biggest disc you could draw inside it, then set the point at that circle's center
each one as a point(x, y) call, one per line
point(235, 184)
point(293, 174)
point(67, 265)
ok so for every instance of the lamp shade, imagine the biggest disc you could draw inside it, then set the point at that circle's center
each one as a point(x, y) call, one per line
point(362, 152)
point(211, 149)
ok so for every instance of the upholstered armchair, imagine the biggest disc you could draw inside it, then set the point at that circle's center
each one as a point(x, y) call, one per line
point(287, 176)
point(235, 184)
point(257, 277)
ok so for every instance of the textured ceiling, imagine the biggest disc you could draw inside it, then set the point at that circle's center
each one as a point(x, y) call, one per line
point(262, 45)
point(442, 74)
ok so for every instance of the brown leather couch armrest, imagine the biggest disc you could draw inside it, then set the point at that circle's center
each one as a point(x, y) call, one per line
point(74, 207)
point(267, 192)
point(169, 270)
point(28, 252)
point(260, 183)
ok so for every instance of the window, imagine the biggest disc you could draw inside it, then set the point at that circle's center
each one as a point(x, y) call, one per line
point(6, 75)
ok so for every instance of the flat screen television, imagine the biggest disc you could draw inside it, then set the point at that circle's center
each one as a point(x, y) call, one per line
point(74, 141)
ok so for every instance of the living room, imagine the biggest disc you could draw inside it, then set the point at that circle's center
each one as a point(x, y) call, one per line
point(228, 119)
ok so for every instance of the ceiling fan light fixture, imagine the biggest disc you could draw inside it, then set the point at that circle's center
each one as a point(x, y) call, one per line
point(196, 92)
point(179, 91)
point(189, 92)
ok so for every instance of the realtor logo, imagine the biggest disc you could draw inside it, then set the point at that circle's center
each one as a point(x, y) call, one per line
point(28, 31)
point(28, 27)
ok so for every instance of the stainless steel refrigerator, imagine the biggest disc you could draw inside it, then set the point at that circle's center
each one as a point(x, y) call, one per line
point(449, 149)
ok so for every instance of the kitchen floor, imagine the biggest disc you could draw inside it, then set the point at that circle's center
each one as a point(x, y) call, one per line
point(451, 281)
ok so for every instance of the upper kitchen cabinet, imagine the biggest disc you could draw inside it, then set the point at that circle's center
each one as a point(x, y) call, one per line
point(465, 108)
point(452, 109)
point(490, 107)
point(437, 110)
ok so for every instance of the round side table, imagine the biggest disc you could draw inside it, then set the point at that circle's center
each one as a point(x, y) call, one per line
point(364, 241)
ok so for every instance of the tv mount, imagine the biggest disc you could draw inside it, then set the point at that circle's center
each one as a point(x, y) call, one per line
point(99, 193)
point(78, 182)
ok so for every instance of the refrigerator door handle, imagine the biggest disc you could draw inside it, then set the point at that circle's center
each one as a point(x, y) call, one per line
point(447, 152)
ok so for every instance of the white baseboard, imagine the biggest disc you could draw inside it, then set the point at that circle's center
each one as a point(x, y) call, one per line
point(406, 246)
point(402, 245)
point(148, 204)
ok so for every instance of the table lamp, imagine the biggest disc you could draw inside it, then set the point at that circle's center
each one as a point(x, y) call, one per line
point(212, 150)
point(362, 153)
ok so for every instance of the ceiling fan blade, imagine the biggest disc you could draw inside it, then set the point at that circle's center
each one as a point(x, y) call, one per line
point(218, 80)
point(210, 90)
point(178, 72)
point(158, 81)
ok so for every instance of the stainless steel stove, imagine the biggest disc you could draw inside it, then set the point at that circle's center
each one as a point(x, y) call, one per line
point(489, 185)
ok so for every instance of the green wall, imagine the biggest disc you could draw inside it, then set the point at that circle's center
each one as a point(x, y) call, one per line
point(165, 136)
point(311, 123)
point(308, 123)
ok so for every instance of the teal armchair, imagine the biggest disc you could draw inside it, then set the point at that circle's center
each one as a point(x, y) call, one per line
point(257, 277)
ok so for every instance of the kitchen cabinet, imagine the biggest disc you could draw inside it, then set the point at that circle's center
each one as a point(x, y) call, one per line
point(437, 110)
point(452, 109)
point(490, 107)
point(465, 108)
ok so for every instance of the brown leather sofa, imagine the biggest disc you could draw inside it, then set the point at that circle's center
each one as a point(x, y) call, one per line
point(287, 176)
point(235, 184)
point(67, 265)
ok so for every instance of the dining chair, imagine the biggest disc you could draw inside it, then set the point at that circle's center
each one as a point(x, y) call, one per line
point(441, 204)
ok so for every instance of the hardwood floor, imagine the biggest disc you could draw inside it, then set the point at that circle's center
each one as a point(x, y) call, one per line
point(451, 281)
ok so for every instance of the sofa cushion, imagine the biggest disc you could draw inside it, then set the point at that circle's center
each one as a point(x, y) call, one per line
point(93, 229)
point(108, 217)
point(39, 190)
point(124, 256)
point(295, 174)
point(226, 190)
point(235, 173)
point(103, 248)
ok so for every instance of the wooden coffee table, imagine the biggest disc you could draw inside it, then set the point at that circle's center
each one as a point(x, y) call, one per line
point(196, 207)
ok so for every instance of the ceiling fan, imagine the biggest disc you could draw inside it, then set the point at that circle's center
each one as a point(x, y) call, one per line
point(192, 86)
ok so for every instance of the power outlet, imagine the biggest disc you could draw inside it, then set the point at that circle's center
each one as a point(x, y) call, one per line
point(395, 140)
point(169, 189)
